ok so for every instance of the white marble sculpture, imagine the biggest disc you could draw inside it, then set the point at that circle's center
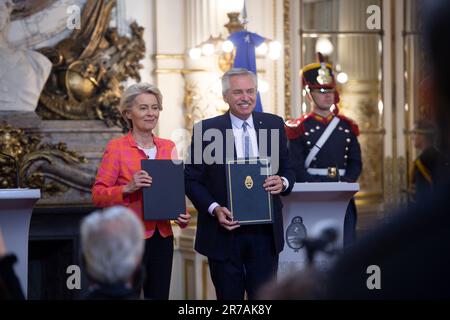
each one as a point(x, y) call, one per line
point(23, 72)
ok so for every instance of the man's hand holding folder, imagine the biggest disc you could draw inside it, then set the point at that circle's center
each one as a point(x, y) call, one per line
point(226, 218)
point(274, 184)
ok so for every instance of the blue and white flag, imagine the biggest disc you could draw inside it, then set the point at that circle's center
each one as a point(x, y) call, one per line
point(245, 43)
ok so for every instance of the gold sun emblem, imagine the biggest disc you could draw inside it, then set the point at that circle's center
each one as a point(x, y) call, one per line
point(249, 182)
point(324, 76)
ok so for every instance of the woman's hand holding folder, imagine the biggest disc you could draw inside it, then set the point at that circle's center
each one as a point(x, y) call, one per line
point(140, 179)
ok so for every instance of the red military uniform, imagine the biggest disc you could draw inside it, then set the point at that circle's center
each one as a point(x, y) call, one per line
point(341, 150)
point(321, 155)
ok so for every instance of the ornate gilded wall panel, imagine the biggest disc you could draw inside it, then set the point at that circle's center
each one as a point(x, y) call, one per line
point(49, 167)
point(88, 67)
point(202, 100)
point(359, 101)
point(389, 199)
point(58, 156)
point(287, 59)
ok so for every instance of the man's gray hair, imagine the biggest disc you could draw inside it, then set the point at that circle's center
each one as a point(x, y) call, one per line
point(132, 92)
point(236, 72)
point(113, 244)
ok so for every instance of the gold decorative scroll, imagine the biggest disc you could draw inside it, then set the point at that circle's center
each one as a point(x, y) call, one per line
point(49, 167)
point(88, 67)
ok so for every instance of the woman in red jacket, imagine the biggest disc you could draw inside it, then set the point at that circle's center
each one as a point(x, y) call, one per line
point(120, 179)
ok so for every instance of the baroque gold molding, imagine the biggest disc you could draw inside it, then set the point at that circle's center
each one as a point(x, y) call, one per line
point(287, 58)
point(365, 194)
point(88, 67)
point(363, 198)
point(49, 167)
point(275, 68)
point(162, 56)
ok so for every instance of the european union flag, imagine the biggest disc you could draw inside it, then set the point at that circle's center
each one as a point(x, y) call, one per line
point(245, 43)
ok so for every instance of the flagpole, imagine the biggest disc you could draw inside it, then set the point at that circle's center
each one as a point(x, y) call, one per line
point(244, 15)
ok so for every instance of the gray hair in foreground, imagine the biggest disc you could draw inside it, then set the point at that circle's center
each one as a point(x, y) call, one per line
point(113, 244)
point(132, 92)
point(236, 72)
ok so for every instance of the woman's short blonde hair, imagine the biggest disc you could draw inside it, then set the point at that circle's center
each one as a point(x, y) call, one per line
point(132, 92)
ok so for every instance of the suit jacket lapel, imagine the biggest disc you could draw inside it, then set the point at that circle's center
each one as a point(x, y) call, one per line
point(259, 124)
point(226, 125)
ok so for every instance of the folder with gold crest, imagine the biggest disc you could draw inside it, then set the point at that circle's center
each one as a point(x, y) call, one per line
point(248, 201)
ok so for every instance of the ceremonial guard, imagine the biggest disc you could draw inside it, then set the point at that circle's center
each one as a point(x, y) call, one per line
point(323, 144)
point(426, 166)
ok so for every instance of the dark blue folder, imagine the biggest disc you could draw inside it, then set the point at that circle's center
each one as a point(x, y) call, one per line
point(164, 200)
point(248, 201)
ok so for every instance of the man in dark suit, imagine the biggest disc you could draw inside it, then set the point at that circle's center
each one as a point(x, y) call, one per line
point(425, 166)
point(241, 258)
